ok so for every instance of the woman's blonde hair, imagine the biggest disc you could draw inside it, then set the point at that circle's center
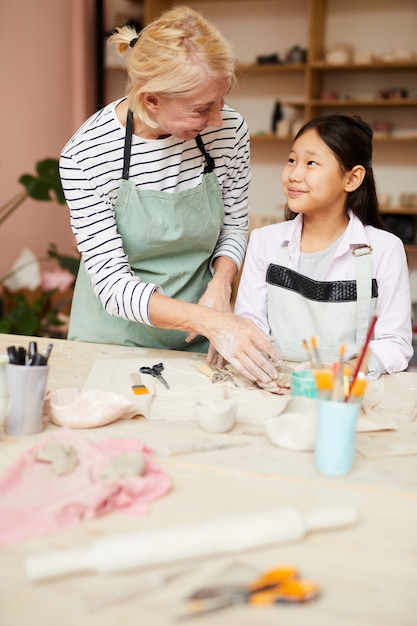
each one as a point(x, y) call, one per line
point(173, 56)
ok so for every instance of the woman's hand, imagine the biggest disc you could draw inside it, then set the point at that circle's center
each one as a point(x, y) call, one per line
point(216, 296)
point(242, 344)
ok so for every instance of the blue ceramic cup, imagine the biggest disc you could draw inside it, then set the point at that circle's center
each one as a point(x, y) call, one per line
point(335, 436)
point(303, 384)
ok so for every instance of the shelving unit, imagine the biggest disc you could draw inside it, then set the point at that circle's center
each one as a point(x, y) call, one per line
point(258, 27)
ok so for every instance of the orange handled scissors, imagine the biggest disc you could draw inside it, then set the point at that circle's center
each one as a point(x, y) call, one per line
point(279, 585)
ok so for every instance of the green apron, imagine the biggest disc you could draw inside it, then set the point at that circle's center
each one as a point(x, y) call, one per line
point(169, 239)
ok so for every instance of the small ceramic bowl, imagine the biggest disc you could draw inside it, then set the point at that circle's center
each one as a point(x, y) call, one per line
point(215, 415)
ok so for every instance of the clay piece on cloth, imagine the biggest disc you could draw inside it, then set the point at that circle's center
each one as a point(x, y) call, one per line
point(72, 408)
point(63, 458)
point(35, 502)
point(124, 465)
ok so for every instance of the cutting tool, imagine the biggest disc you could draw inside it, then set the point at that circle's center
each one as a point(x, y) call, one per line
point(156, 372)
point(279, 585)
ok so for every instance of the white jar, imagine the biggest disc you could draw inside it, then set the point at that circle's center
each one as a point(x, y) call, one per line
point(4, 391)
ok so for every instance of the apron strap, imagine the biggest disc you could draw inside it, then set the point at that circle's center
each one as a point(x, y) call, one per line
point(209, 160)
point(128, 145)
point(363, 271)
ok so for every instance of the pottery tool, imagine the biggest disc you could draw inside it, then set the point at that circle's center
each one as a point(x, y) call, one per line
point(215, 374)
point(363, 352)
point(17, 356)
point(137, 387)
point(233, 534)
point(205, 446)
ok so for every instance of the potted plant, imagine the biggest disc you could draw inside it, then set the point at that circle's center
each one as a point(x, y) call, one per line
point(37, 313)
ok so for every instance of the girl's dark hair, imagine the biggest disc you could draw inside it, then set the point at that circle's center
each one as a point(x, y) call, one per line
point(350, 140)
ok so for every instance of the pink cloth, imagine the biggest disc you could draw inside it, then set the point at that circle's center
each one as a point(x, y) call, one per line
point(34, 501)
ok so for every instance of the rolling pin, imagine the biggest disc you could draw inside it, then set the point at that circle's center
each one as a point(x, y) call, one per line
point(160, 547)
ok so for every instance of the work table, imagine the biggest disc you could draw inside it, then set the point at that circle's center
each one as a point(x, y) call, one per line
point(367, 572)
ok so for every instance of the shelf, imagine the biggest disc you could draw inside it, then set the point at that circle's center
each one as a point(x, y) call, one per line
point(269, 137)
point(398, 210)
point(365, 102)
point(366, 67)
point(270, 68)
point(274, 26)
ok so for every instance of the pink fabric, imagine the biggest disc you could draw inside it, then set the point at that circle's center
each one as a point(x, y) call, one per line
point(34, 501)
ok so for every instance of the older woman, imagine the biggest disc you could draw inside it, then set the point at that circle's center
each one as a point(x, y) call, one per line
point(157, 186)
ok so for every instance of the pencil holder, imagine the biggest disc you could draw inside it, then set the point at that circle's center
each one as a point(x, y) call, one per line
point(27, 386)
point(335, 436)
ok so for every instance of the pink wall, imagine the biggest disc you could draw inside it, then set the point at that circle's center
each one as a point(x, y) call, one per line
point(47, 89)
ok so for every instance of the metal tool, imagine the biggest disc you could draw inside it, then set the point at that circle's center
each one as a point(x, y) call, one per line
point(280, 585)
point(156, 372)
point(216, 374)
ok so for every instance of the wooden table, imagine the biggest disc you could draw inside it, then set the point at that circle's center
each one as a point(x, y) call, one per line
point(367, 572)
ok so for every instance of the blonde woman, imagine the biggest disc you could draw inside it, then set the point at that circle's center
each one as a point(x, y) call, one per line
point(157, 187)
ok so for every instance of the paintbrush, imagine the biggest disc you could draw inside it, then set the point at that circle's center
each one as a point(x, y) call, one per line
point(363, 352)
point(318, 361)
point(338, 375)
point(308, 353)
point(358, 388)
point(346, 382)
point(324, 383)
point(137, 387)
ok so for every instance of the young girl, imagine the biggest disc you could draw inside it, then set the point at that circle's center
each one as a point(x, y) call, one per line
point(332, 265)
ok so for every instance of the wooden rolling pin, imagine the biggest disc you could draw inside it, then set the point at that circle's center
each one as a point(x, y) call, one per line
point(160, 547)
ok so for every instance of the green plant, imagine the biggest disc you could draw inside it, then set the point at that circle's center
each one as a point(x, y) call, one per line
point(30, 318)
point(45, 186)
point(35, 316)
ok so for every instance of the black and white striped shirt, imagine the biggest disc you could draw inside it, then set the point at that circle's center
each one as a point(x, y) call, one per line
point(91, 170)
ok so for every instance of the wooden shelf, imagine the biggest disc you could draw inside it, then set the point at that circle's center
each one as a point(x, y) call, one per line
point(299, 85)
point(366, 67)
point(390, 139)
point(398, 210)
point(365, 102)
point(271, 68)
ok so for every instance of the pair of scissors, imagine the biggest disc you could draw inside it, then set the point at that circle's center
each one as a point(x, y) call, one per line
point(279, 585)
point(156, 372)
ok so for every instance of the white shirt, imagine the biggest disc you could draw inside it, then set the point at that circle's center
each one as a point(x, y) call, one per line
point(91, 170)
point(392, 343)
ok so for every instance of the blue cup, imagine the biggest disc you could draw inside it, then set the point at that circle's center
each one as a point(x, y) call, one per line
point(335, 436)
point(303, 384)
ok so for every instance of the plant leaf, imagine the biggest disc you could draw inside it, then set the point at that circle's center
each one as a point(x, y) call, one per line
point(47, 185)
point(67, 262)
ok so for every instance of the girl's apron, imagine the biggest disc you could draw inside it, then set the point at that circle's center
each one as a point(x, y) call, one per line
point(169, 239)
point(334, 312)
